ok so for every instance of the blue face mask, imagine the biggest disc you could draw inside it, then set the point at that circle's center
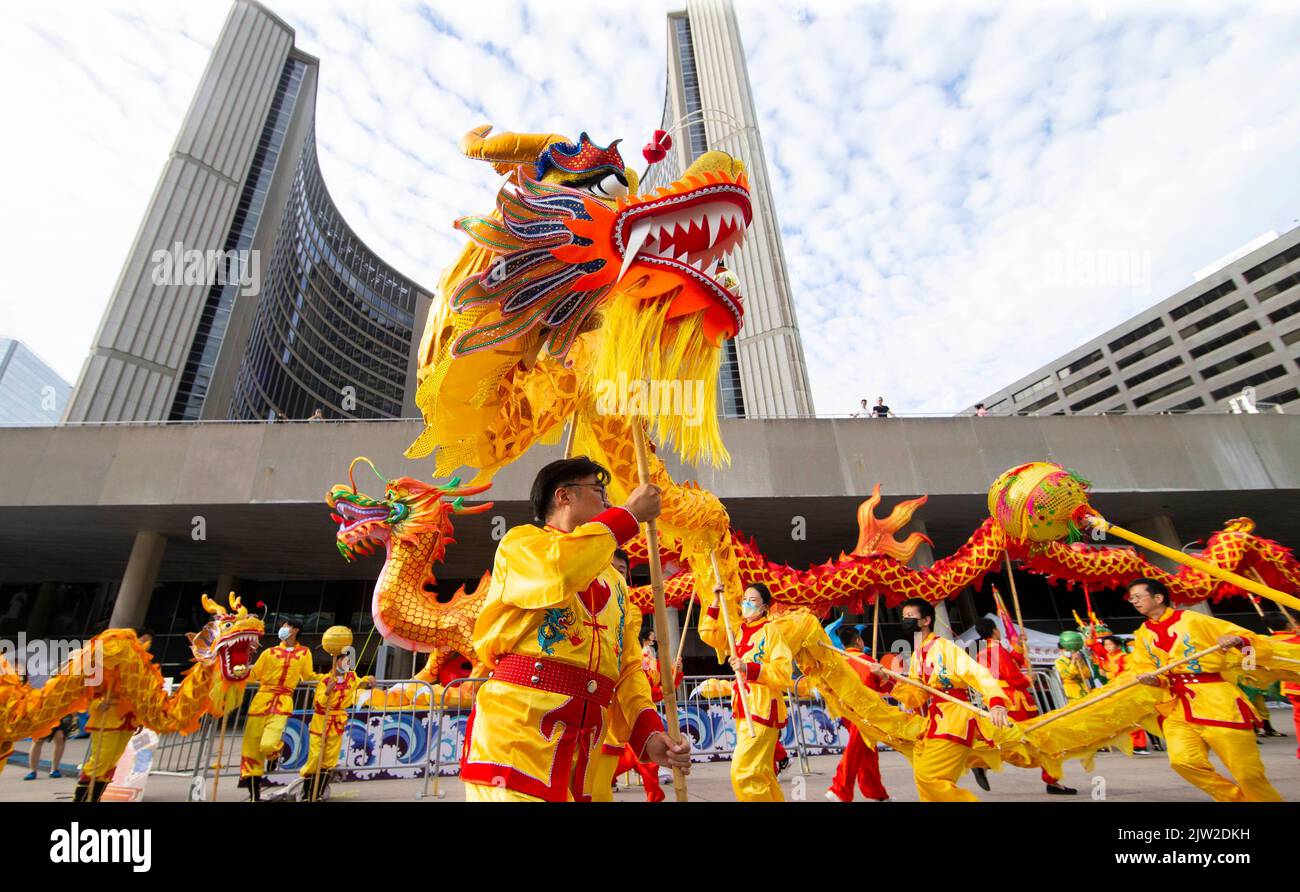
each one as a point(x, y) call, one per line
point(750, 610)
point(284, 633)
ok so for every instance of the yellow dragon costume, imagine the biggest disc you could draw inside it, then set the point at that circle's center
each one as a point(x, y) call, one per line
point(114, 665)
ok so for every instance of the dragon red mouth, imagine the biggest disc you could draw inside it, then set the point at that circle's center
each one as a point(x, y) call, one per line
point(349, 516)
point(236, 655)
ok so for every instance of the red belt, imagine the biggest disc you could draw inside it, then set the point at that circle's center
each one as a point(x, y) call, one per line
point(558, 678)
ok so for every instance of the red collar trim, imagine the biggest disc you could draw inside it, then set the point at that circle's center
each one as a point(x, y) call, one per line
point(1162, 628)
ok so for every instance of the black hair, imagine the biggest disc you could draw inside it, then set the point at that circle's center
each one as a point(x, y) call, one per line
point(926, 608)
point(620, 553)
point(985, 626)
point(1154, 586)
point(1275, 621)
point(291, 623)
point(646, 633)
point(763, 592)
point(849, 636)
point(557, 474)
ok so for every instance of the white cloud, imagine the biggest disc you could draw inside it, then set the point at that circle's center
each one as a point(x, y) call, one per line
point(926, 159)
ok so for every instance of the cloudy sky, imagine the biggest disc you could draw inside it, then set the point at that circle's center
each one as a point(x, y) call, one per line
point(965, 191)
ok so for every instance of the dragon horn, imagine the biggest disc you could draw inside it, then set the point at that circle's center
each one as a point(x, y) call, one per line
point(236, 606)
point(506, 151)
point(458, 506)
point(210, 605)
point(362, 458)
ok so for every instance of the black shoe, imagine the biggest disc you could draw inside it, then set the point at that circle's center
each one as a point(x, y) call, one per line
point(80, 790)
point(1061, 790)
point(783, 764)
point(254, 789)
point(981, 778)
point(97, 789)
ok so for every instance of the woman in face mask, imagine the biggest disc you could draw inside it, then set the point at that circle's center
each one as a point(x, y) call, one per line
point(764, 662)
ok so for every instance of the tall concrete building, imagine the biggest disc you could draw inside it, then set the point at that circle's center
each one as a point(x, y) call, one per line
point(1236, 327)
point(709, 105)
point(245, 294)
point(31, 392)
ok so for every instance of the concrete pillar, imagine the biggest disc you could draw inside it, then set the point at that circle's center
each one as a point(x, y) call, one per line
point(1161, 529)
point(137, 582)
point(923, 558)
point(226, 583)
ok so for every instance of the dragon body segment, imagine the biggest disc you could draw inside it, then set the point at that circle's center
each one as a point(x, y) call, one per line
point(115, 663)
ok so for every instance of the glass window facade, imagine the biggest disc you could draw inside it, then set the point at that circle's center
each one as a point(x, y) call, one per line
point(332, 316)
point(30, 391)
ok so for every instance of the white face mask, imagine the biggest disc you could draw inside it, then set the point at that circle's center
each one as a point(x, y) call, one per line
point(284, 633)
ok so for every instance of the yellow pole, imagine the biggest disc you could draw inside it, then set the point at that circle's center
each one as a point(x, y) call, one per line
point(1020, 620)
point(1287, 613)
point(875, 627)
point(1217, 572)
point(934, 692)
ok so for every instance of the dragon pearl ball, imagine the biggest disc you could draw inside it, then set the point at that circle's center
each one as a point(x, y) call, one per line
point(1037, 501)
point(336, 640)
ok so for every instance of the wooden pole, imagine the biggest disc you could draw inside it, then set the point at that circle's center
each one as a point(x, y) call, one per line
point(661, 607)
point(731, 645)
point(1020, 620)
point(572, 436)
point(908, 680)
point(324, 731)
point(681, 642)
point(221, 744)
point(1219, 573)
point(1287, 613)
point(1062, 713)
point(875, 627)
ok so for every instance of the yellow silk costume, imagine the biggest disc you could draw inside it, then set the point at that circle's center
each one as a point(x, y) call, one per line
point(1205, 710)
point(277, 672)
point(556, 633)
point(111, 725)
point(334, 698)
point(769, 673)
point(1075, 678)
point(611, 745)
point(953, 733)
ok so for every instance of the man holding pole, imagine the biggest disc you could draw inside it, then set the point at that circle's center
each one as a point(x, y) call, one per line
point(556, 633)
point(946, 749)
point(1016, 679)
point(1204, 712)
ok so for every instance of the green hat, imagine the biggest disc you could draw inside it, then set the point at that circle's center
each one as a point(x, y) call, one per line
point(1070, 641)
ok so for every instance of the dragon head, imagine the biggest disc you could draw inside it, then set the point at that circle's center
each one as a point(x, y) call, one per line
point(572, 256)
point(409, 511)
point(228, 639)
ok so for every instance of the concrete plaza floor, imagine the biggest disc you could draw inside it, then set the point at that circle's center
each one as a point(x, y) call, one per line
point(1115, 778)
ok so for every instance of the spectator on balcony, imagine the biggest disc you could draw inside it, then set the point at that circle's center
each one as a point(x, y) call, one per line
point(880, 410)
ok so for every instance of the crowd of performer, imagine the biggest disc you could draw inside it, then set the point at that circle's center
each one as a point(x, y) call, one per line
point(574, 694)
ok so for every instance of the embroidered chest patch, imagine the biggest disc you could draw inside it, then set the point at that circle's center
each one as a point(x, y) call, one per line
point(555, 627)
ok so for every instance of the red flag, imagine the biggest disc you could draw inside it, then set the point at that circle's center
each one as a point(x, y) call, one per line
point(1012, 633)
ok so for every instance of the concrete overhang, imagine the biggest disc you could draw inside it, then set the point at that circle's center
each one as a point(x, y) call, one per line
point(73, 497)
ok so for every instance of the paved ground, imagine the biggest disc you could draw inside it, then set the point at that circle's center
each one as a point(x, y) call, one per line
point(1115, 777)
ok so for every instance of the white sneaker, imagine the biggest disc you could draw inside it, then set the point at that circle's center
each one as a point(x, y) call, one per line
point(831, 797)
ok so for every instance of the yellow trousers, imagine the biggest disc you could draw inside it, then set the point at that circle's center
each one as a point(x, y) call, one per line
point(753, 778)
point(602, 776)
point(937, 765)
point(1189, 747)
point(263, 738)
point(106, 747)
point(486, 793)
point(333, 744)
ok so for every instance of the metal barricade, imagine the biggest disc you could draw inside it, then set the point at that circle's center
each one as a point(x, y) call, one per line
point(435, 765)
point(384, 740)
